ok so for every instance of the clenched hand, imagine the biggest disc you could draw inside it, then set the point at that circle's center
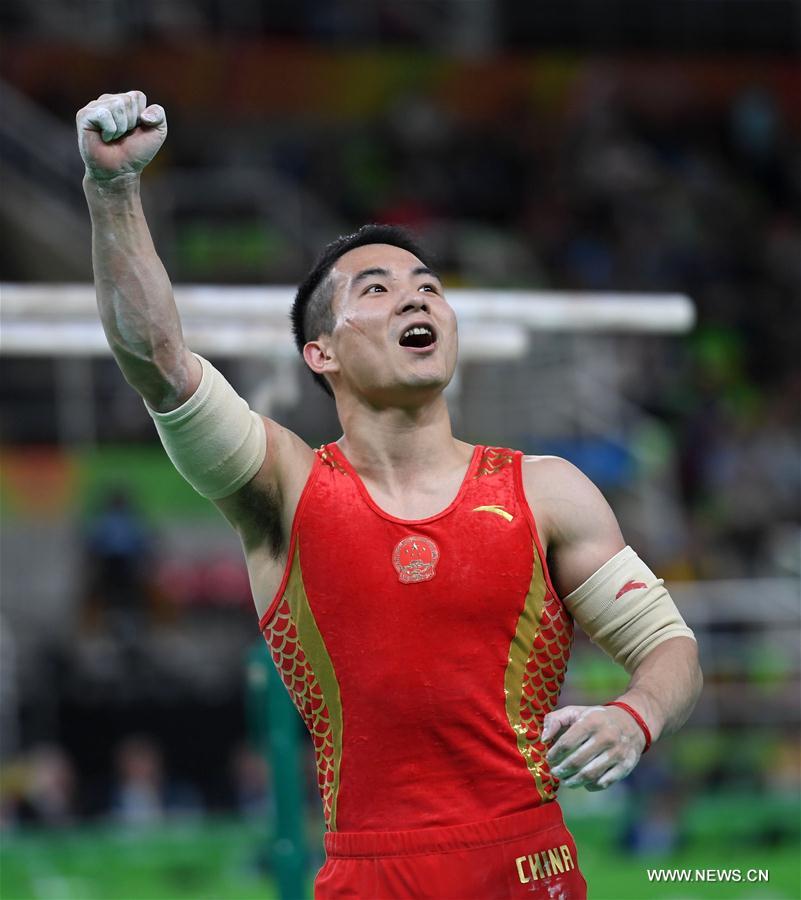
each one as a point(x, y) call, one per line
point(118, 134)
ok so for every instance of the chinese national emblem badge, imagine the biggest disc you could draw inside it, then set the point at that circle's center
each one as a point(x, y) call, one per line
point(415, 559)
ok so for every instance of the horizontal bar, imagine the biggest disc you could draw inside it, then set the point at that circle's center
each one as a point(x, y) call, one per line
point(237, 339)
point(608, 312)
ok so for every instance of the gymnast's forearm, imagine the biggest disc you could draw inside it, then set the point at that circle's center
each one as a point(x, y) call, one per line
point(134, 295)
point(666, 685)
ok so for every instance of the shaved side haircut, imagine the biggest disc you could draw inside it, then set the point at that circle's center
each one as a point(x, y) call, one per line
point(312, 312)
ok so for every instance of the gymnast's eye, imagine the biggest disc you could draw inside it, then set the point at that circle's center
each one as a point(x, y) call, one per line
point(374, 288)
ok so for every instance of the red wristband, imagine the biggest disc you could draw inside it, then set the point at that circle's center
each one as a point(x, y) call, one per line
point(637, 718)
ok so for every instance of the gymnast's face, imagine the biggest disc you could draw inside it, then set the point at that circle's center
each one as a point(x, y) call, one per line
point(394, 339)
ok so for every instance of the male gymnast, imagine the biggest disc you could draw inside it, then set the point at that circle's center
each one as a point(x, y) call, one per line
point(418, 616)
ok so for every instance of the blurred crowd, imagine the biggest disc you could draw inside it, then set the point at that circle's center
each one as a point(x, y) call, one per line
point(44, 788)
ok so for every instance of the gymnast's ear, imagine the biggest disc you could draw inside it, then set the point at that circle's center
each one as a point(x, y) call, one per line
point(320, 356)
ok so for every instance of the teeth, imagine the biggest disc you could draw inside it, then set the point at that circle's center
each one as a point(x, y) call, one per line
point(417, 330)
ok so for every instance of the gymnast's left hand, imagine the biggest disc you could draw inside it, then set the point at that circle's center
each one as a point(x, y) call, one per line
point(593, 746)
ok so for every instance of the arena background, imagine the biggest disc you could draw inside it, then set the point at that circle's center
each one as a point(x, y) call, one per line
point(574, 146)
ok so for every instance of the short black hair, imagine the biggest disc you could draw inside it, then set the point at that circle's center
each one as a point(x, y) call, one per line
point(312, 313)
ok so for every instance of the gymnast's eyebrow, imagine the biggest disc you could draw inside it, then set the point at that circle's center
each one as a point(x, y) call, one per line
point(424, 270)
point(385, 273)
point(369, 273)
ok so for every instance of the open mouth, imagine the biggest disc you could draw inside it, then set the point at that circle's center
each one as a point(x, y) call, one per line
point(418, 336)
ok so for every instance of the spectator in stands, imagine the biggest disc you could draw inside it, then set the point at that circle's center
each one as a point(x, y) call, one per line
point(117, 548)
point(143, 795)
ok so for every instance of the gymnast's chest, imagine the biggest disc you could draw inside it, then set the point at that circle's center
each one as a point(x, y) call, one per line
point(378, 580)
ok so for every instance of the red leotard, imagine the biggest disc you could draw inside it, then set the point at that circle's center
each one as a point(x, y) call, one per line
point(422, 655)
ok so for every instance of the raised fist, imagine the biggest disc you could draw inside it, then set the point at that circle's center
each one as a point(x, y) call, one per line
point(118, 134)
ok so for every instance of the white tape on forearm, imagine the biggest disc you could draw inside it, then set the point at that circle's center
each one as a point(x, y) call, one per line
point(214, 439)
point(626, 610)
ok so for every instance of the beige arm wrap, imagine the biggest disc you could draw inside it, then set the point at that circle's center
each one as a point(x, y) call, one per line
point(625, 609)
point(214, 439)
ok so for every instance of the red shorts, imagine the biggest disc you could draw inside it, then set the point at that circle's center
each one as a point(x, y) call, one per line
point(530, 854)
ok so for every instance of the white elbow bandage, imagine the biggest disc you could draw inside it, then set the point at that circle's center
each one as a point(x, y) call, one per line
point(214, 439)
point(625, 609)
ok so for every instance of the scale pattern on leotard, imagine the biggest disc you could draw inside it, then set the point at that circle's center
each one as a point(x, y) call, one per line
point(542, 681)
point(311, 684)
point(537, 664)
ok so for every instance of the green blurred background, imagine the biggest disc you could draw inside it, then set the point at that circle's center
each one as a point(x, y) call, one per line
point(622, 146)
